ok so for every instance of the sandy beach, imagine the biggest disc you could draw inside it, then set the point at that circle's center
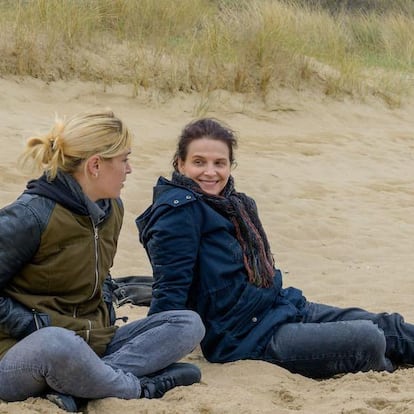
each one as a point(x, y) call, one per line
point(333, 181)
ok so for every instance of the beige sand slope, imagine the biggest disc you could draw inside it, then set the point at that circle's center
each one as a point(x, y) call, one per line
point(334, 185)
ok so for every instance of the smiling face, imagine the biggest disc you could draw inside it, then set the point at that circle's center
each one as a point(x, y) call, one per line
point(208, 164)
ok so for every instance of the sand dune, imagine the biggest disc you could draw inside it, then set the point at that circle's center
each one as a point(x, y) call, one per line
point(335, 190)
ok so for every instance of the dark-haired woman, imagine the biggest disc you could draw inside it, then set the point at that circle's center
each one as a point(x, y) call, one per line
point(209, 252)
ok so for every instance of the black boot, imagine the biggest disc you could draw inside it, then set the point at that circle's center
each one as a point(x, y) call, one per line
point(175, 375)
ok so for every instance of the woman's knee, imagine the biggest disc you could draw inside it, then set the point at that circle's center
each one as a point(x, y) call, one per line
point(192, 323)
point(372, 337)
point(198, 325)
point(54, 342)
point(372, 345)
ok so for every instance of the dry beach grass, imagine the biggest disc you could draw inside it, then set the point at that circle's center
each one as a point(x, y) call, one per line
point(329, 160)
point(333, 182)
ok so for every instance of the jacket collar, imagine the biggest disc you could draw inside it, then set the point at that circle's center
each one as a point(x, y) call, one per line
point(66, 191)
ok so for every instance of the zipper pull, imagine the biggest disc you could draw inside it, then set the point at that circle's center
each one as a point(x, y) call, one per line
point(35, 319)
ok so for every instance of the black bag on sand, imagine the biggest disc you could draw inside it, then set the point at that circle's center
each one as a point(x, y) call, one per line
point(136, 290)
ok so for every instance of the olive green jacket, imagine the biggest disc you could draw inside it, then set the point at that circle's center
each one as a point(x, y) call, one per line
point(63, 258)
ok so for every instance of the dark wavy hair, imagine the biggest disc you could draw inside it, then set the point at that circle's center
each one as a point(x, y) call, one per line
point(204, 128)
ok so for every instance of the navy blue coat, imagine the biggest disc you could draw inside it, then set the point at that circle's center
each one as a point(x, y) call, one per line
point(197, 263)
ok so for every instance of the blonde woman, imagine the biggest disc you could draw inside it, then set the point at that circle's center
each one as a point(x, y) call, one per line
point(57, 245)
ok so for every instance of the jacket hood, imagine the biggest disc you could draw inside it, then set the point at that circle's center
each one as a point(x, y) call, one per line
point(160, 190)
point(66, 191)
point(163, 186)
point(165, 193)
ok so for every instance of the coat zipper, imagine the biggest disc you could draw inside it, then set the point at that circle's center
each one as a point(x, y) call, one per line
point(96, 239)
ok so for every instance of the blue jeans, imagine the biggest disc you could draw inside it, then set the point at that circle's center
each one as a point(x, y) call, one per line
point(55, 358)
point(331, 340)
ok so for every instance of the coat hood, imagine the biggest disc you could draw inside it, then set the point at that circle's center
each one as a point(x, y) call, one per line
point(66, 191)
point(164, 194)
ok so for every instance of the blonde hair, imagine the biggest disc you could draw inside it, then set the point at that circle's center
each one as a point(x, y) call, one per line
point(73, 140)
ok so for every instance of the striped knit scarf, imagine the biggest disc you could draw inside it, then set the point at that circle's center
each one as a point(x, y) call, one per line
point(242, 212)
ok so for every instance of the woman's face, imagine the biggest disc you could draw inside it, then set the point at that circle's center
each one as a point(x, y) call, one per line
point(208, 164)
point(112, 175)
point(104, 178)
